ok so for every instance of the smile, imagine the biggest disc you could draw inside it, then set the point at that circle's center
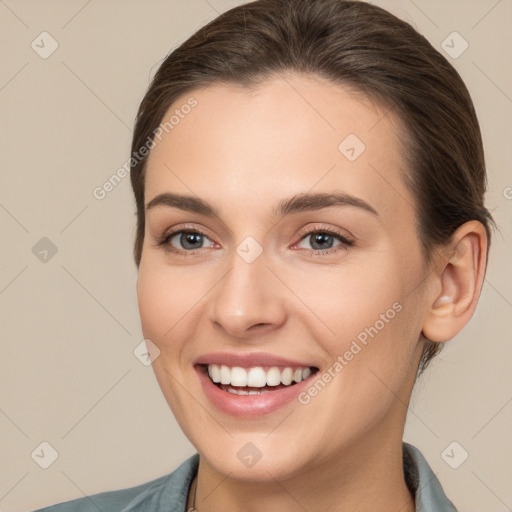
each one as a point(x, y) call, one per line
point(256, 380)
point(254, 386)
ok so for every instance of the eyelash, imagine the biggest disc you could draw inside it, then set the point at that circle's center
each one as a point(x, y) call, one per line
point(345, 242)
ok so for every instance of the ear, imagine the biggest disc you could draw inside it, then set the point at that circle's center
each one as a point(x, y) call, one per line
point(457, 283)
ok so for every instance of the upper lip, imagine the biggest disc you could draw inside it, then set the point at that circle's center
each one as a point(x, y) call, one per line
point(249, 360)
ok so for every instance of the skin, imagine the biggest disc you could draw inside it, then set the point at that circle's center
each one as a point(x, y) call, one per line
point(243, 152)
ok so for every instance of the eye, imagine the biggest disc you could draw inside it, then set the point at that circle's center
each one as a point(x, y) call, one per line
point(185, 241)
point(321, 241)
point(324, 240)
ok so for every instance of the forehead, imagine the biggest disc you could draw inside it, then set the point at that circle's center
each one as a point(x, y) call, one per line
point(290, 134)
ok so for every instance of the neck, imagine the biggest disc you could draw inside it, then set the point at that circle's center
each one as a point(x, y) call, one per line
point(367, 476)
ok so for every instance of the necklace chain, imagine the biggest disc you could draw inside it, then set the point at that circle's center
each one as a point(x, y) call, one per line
point(193, 508)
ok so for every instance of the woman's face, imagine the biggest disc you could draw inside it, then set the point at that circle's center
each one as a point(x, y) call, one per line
point(333, 283)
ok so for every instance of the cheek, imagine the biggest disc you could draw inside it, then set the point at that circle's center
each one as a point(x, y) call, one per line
point(369, 328)
point(354, 303)
point(165, 296)
point(154, 298)
point(163, 303)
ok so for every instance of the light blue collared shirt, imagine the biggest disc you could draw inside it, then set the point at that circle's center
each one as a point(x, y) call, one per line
point(169, 493)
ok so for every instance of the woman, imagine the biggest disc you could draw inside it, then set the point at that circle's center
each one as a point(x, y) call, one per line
point(311, 229)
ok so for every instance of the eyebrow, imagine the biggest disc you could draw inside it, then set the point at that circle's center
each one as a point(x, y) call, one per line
point(294, 204)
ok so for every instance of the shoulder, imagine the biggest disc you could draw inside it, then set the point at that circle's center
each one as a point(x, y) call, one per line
point(168, 492)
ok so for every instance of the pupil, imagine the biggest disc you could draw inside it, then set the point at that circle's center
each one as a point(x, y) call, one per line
point(188, 239)
point(321, 238)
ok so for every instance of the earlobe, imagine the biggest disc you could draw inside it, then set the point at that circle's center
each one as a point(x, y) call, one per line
point(459, 281)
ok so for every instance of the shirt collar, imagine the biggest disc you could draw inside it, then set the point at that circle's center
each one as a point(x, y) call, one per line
point(423, 483)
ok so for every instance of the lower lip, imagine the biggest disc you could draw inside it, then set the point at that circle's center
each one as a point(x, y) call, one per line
point(249, 405)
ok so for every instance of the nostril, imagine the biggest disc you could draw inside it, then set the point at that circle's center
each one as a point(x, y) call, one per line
point(258, 326)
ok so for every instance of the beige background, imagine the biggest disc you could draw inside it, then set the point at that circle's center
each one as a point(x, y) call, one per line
point(68, 375)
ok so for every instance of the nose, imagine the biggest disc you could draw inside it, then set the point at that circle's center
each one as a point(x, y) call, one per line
point(249, 300)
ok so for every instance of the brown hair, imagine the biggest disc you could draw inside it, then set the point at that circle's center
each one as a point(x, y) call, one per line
point(354, 44)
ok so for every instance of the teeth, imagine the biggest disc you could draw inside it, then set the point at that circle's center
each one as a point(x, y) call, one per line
point(273, 376)
point(238, 376)
point(256, 377)
point(244, 391)
point(225, 375)
point(286, 376)
point(214, 372)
